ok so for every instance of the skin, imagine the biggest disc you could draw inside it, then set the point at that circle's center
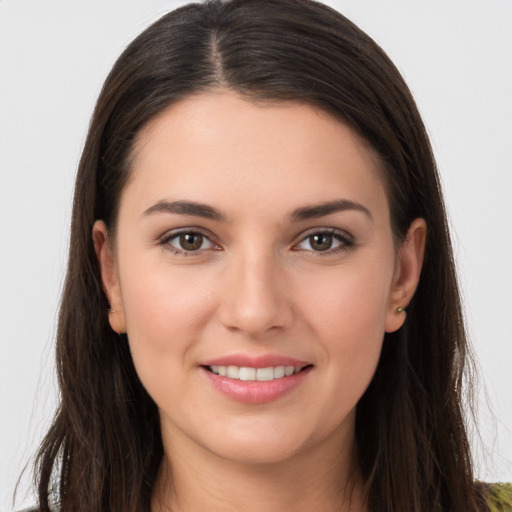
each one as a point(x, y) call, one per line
point(257, 285)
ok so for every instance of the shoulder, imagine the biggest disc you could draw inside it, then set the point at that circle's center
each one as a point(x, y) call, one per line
point(500, 498)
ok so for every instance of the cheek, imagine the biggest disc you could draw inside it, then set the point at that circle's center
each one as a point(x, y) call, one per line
point(164, 309)
point(166, 313)
point(348, 320)
point(350, 304)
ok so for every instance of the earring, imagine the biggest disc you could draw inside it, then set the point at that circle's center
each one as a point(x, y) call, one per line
point(400, 309)
point(110, 311)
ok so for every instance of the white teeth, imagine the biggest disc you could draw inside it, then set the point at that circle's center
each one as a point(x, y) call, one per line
point(289, 370)
point(259, 374)
point(233, 372)
point(247, 373)
point(265, 374)
point(278, 372)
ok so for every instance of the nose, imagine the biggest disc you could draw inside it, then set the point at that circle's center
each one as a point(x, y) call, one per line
point(255, 296)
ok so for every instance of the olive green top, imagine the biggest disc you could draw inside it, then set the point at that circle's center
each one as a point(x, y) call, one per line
point(500, 498)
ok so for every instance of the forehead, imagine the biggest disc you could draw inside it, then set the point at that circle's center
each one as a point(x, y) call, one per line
point(220, 147)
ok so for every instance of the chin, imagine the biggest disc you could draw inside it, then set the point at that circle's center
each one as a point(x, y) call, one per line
point(258, 453)
point(261, 444)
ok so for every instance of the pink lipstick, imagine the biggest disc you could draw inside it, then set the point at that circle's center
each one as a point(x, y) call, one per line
point(255, 380)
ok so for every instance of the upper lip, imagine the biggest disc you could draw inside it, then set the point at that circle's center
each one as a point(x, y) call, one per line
point(248, 361)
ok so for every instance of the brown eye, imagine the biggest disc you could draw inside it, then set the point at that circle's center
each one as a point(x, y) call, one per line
point(191, 241)
point(188, 241)
point(328, 242)
point(321, 242)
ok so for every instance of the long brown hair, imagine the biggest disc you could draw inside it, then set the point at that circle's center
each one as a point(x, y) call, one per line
point(104, 448)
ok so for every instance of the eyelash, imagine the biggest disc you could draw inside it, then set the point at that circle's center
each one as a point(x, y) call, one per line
point(346, 241)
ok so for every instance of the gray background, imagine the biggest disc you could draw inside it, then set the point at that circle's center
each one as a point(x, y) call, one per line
point(54, 55)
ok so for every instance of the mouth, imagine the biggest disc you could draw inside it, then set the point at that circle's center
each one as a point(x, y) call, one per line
point(258, 381)
point(248, 373)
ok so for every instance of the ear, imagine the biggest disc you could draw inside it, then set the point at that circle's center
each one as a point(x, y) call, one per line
point(109, 276)
point(407, 274)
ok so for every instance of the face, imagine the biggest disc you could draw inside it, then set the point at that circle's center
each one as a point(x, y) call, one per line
point(255, 273)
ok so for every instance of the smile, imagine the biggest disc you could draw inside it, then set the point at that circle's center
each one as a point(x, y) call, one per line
point(259, 383)
point(255, 374)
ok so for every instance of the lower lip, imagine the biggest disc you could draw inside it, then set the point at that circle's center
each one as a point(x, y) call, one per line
point(254, 391)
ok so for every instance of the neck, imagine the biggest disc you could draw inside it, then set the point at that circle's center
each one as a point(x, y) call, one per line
point(319, 479)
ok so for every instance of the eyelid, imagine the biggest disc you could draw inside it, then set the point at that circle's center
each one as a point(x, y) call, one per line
point(326, 230)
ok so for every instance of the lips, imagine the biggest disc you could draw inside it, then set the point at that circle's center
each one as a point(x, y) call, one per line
point(255, 380)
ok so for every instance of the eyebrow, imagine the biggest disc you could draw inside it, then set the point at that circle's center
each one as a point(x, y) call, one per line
point(185, 208)
point(303, 213)
point(321, 210)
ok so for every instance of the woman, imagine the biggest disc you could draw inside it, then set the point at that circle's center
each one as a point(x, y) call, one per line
point(261, 308)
